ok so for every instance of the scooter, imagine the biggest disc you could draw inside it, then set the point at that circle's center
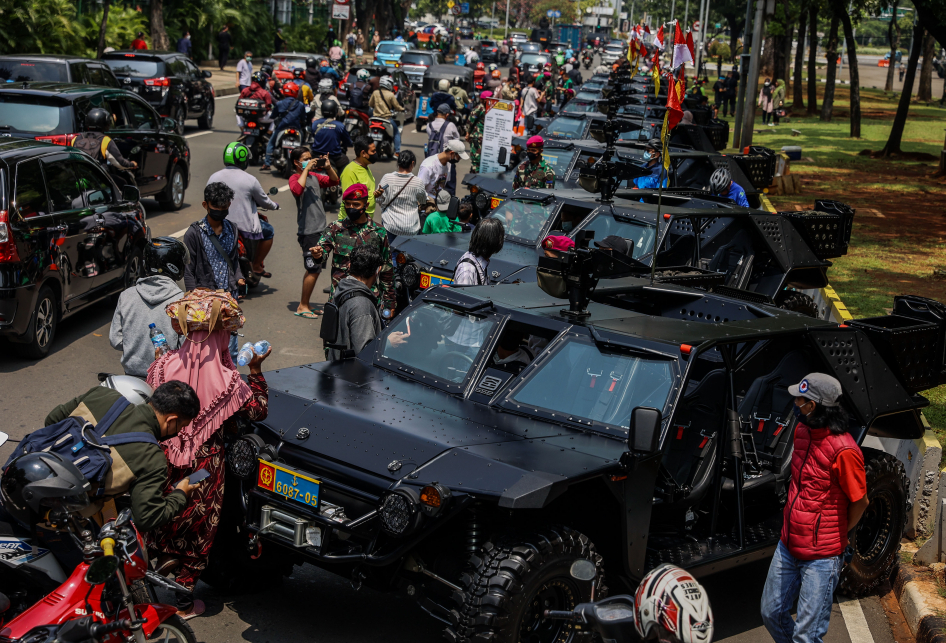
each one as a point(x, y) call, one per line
point(381, 131)
point(356, 122)
point(255, 134)
point(112, 586)
point(286, 141)
point(586, 59)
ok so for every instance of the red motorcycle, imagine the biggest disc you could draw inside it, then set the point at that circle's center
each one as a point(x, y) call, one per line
point(112, 586)
point(356, 122)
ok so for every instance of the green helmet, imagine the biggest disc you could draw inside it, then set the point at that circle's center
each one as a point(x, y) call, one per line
point(237, 154)
point(337, 43)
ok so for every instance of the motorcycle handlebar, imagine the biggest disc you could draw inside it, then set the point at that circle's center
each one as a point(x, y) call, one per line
point(108, 546)
point(561, 615)
point(98, 630)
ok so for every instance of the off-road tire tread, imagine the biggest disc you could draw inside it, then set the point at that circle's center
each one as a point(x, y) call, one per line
point(798, 302)
point(879, 465)
point(499, 570)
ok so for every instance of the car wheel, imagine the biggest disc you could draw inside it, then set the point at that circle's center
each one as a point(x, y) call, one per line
point(173, 196)
point(180, 115)
point(133, 269)
point(207, 120)
point(798, 302)
point(876, 539)
point(508, 585)
point(42, 328)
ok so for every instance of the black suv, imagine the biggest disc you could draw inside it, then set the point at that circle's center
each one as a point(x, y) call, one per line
point(171, 83)
point(68, 238)
point(31, 68)
point(55, 113)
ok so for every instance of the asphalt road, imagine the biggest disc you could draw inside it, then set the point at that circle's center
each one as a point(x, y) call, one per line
point(312, 604)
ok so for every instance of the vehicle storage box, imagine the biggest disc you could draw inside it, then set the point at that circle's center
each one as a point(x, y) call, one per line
point(718, 133)
point(827, 233)
point(758, 166)
point(793, 152)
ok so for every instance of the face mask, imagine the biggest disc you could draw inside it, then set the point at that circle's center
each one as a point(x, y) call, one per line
point(454, 160)
point(797, 411)
point(567, 226)
point(534, 157)
point(249, 59)
point(373, 158)
point(648, 156)
point(218, 215)
point(767, 84)
point(354, 213)
point(304, 163)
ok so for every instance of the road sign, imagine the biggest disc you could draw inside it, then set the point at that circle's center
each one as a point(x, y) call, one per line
point(455, 11)
point(553, 13)
point(450, 4)
point(718, 26)
point(464, 7)
point(696, 26)
point(340, 11)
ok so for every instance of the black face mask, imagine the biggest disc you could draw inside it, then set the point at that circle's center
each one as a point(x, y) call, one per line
point(218, 215)
point(454, 160)
point(354, 213)
point(534, 157)
point(373, 158)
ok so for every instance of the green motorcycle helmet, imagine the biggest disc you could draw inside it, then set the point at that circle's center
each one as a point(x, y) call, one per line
point(237, 154)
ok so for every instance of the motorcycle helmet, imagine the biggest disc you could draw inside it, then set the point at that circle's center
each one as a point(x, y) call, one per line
point(480, 66)
point(329, 109)
point(363, 75)
point(290, 89)
point(136, 391)
point(493, 67)
point(258, 77)
point(98, 120)
point(326, 86)
point(337, 43)
point(297, 72)
point(457, 81)
point(386, 83)
point(720, 181)
point(237, 154)
point(166, 256)
point(266, 69)
point(670, 600)
point(496, 73)
point(311, 63)
point(656, 150)
point(42, 480)
point(323, 63)
point(443, 85)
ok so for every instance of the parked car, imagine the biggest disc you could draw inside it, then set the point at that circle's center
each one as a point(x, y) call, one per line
point(55, 113)
point(530, 64)
point(524, 48)
point(68, 237)
point(169, 81)
point(415, 63)
point(18, 68)
point(388, 52)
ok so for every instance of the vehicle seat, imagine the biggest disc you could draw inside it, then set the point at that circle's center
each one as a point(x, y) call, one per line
point(766, 408)
point(696, 425)
point(680, 252)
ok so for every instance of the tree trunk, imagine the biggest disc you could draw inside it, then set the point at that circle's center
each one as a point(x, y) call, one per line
point(831, 75)
point(798, 96)
point(896, 132)
point(768, 66)
point(159, 37)
point(812, 59)
point(924, 93)
point(733, 21)
point(852, 69)
point(785, 72)
point(103, 27)
point(892, 28)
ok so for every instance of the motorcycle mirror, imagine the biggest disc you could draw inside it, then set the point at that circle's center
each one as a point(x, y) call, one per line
point(124, 518)
point(274, 191)
point(583, 570)
point(101, 570)
point(3, 438)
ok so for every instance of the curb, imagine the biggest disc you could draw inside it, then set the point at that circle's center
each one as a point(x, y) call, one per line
point(225, 91)
point(924, 615)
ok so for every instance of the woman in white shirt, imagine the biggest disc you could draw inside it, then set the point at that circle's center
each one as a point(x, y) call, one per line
point(399, 210)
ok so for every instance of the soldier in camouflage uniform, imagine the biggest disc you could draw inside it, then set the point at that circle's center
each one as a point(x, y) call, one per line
point(475, 131)
point(344, 235)
point(534, 173)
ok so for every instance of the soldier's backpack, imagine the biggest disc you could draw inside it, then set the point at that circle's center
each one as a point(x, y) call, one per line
point(82, 443)
point(331, 330)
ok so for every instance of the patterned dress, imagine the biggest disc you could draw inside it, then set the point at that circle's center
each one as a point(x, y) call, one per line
point(536, 177)
point(476, 121)
point(190, 536)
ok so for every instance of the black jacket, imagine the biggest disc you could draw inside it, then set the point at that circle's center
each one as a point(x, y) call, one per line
point(198, 273)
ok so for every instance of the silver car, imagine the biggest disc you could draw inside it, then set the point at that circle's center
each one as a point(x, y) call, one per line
point(611, 54)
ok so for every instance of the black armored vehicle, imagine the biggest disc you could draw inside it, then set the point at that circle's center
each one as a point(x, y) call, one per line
point(653, 424)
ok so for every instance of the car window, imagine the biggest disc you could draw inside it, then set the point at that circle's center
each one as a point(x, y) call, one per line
point(391, 48)
point(534, 59)
point(437, 340)
point(176, 67)
point(140, 117)
point(94, 184)
point(16, 71)
point(566, 384)
point(193, 70)
point(559, 160)
point(64, 192)
point(129, 65)
point(96, 77)
point(640, 234)
point(34, 115)
point(30, 192)
point(79, 72)
point(523, 219)
point(565, 127)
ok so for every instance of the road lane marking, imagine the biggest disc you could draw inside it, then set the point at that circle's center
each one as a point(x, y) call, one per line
point(854, 620)
point(178, 234)
point(284, 188)
point(199, 134)
point(226, 96)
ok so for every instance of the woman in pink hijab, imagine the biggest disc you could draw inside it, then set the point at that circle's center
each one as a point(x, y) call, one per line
point(203, 361)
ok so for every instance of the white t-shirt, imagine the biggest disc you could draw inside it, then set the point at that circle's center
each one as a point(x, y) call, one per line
point(433, 174)
point(245, 70)
point(530, 103)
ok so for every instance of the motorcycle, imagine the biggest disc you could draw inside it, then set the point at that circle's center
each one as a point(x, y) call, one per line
point(112, 586)
point(381, 131)
point(255, 134)
point(586, 59)
point(356, 122)
point(286, 141)
point(247, 253)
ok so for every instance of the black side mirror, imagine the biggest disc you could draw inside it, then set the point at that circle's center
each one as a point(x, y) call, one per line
point(503, 156)
point(644, 433)
point(130, 193)
point(168, 125)
point(274, 191)
point(453, 209)
point(207, 74)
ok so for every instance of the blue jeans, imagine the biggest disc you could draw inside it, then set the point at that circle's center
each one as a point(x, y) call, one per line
point(267, 228)
point(813, 583)
point(234, 347)
point(397, 136)
point(270, 148)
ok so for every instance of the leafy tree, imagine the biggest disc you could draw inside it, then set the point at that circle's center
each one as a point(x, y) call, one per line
point(841, 10)
point(831, 73)
point(43, 26)
point(924, 93)
point(899, 121)
point(122, 26)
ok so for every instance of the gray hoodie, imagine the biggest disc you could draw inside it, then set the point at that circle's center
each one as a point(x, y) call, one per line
point(358, 320)
point(137, 307)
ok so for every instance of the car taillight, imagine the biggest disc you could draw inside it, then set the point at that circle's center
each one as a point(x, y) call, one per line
point(291, 131)
point(8, 253)
point(164, 81)
point(59, 139)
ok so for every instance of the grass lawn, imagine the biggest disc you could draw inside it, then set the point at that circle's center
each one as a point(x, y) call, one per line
point(899, 252)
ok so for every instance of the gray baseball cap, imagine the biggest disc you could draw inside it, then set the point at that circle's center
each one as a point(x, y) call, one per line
point(818, 387)
point(443, 200)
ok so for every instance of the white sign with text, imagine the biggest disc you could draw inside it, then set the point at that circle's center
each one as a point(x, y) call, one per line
point(497, 133)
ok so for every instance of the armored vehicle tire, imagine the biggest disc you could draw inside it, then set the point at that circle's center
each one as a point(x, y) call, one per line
point(509, 584)
point(798, 302)
point(876, 540)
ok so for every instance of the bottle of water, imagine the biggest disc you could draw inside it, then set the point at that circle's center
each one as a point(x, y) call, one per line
point(159, 340)
point(261, 347)
point(245, 354)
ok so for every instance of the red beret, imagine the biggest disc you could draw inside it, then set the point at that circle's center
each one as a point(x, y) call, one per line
point(562, 244)
point(356, 191)
point(536, 140)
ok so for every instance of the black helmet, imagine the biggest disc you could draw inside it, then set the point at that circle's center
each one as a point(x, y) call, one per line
point(266, 69)
point(258, 77)
point(311, 63)
point(42, 480)
point(329, 109)
point(166, 256)
point(720, 181)
point(297, 72)
point(98, 119)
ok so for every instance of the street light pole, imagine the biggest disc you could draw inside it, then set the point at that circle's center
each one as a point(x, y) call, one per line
point(686, 13)
point(744, 58)
point(506, 32)
point(752, 81)
point(702, 29)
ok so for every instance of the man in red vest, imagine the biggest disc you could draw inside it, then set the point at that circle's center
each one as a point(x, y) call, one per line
point(826, 498)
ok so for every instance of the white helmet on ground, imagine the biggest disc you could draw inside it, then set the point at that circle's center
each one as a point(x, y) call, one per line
point(671, 600)
point(136, 391)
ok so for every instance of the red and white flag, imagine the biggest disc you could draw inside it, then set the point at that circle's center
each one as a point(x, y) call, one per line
point(681, 51)
point(659, 38)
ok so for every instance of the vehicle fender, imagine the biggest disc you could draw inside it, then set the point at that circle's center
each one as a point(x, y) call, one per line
point(638, 491)
point(154, 614)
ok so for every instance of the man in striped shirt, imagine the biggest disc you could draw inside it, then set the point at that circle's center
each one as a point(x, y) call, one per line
point(398, 203)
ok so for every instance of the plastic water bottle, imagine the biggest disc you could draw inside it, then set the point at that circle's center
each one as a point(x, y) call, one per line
point(159, 340)
point(261, 347)
point(245, 354)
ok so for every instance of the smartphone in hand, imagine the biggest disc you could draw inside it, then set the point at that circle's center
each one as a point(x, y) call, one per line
point(198, 476)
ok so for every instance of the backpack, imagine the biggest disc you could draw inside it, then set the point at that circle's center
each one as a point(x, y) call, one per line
point(356, 95)
point(83, 444)
point(331, 317)
point(98, 151)
point(435, 140)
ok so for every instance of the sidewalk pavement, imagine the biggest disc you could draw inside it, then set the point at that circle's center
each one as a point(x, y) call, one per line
point(224, 82)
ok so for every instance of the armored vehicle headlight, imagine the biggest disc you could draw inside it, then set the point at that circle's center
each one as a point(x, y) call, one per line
point(243, 455)
point(482, 201)
point(398, 513)
point(410, 274)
